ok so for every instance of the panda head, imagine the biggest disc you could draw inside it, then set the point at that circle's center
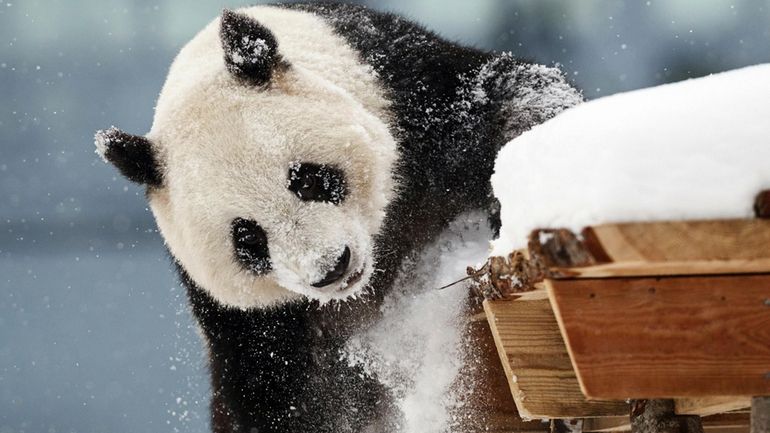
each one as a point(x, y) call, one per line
point(268, 178)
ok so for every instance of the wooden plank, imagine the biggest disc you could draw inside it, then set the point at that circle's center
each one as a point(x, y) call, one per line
point(607, 424)
point(727, 420)
point(487, 402)
point(667, 337)
point(705, 406)
point(665, 248)
point(726, 429)
point(760, 415)
point(719, 423)
point(537, 365)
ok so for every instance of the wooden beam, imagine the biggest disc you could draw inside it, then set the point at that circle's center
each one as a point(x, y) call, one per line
point(667, 337)
point(487, 402)
point(737, 422)
point(607, 424)
point(730, 420)
point(537, 365)
point(656, 248)
point(566, 426)
point(705, 406)
point(760, 415)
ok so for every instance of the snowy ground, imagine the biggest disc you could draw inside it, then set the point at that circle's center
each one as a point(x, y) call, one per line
point(697, 149)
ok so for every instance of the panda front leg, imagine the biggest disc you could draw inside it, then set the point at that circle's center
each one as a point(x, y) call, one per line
point(280, 370)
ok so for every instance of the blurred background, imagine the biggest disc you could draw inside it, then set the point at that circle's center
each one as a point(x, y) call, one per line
point(95, 335)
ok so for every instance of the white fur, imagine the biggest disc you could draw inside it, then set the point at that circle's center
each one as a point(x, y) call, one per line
point(227, 147)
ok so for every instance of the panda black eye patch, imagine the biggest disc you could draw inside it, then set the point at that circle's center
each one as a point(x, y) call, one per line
point(250, 243)
point(317, 182)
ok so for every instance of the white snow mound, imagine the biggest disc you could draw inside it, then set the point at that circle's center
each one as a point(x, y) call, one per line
point(697, 149)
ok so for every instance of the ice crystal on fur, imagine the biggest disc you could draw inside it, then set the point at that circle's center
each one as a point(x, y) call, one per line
point(133, 155)
point(251, 51)
point(252, 48)
point(529, 94)
point(317, 182)
point(251, 248)
point(101, 140)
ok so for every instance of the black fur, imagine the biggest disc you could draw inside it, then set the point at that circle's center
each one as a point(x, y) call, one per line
point(447, 136)
point(251, 51)
point(279, 369)
point(251, 246)
point(314, 182)
point(133, 156)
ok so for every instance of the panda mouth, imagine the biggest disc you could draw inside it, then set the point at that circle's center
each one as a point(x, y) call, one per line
point(353, 279)
point(339, 278)
point(337, 272)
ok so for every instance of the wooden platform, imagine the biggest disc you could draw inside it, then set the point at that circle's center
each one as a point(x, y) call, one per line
point(537, 364)
point(673, 310)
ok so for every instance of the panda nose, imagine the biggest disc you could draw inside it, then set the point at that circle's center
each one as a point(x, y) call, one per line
point(337, 272)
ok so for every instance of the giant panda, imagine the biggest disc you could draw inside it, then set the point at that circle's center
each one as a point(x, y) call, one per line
point(299, 154)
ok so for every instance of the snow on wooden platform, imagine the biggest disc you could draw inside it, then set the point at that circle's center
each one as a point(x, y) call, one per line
point(697, 149)
point(631, 261)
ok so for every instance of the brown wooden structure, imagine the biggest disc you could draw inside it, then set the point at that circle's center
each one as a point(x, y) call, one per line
point(651, 327)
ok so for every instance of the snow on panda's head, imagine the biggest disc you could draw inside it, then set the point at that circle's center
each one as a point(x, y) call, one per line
point(269, 160)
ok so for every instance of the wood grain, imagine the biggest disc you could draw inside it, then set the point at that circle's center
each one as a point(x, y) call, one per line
point(705, 406)
point(607, 424)
point(667, 337)
point(727, 420)
point(721, 423)
point(488, 405)
point(537, 365)
point(674, 248)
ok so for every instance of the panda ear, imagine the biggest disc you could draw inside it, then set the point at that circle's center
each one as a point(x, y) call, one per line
point(251, 51)
point(133, 155)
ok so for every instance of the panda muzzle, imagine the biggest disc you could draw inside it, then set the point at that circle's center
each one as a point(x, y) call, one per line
point(336, 273)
